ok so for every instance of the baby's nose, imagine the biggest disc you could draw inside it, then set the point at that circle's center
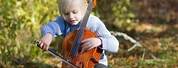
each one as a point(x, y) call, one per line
point(71, 15)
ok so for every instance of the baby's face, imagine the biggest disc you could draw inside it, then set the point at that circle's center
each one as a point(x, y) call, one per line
point(73, 13)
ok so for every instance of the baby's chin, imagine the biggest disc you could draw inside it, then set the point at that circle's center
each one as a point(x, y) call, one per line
point(74, 23)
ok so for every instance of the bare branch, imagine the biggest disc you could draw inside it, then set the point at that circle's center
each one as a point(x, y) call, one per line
point(126, 37)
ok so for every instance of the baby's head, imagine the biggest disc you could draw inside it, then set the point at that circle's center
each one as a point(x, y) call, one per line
point(72, 10)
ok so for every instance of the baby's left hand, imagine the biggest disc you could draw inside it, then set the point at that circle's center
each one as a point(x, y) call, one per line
point(90, 43)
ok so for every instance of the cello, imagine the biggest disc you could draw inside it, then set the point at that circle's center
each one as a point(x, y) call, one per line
point(71, 45)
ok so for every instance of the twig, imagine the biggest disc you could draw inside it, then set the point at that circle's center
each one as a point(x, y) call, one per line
point(126, 37)
point(143, 56)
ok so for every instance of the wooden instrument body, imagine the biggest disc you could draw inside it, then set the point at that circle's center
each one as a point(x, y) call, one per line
point(83, 60)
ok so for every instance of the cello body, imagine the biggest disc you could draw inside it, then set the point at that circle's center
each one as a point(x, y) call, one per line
point(86, 59)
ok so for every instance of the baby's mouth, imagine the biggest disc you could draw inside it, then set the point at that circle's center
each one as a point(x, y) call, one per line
point(72, 21)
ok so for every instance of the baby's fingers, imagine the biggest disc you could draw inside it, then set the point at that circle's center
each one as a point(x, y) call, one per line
point(43, 45)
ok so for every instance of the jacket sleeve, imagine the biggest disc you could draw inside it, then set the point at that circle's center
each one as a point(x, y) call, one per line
point(51, 27)
point(109, 42)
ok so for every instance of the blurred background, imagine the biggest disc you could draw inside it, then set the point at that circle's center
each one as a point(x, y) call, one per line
point(153, 23)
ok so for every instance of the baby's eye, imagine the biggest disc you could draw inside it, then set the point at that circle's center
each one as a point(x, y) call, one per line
point(66, 13)
point(75, 12)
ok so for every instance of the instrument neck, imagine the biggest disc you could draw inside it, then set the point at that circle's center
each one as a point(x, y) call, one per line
point(83, 23)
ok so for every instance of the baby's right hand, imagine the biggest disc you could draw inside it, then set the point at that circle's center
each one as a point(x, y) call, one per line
point(45, 41)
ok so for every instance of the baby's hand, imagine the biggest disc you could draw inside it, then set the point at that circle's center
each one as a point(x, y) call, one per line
point(90, 43)
point(45, 41)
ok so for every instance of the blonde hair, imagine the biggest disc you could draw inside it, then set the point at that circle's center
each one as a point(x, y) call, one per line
point(64, 4)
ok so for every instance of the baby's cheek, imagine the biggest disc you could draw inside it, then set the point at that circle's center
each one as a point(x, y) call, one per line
point(79, 18)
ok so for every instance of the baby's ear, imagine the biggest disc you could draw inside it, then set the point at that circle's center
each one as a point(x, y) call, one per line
point(85, 3)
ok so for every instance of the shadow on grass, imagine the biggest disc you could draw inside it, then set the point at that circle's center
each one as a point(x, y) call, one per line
point(25, 63)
